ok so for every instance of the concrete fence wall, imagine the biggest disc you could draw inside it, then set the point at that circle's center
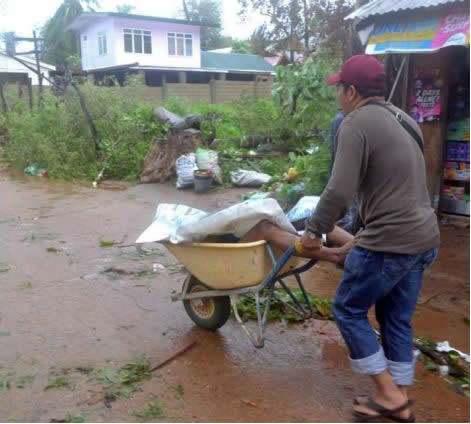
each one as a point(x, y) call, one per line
point(192, 92)
point(217, 91)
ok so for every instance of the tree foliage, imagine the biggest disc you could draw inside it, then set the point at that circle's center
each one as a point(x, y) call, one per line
point(241, 46)
point(303, 25)
point(307, 105)
point(260, 41)
point(208, 12)
point(328, 24)
point(59, 43)
point(287, 28)
point(125, 8)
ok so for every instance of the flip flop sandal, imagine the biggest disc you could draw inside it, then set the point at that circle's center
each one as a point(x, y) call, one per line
point(382, 412)
point(410, 419)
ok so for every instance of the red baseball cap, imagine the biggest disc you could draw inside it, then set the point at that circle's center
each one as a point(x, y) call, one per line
point(362, 71)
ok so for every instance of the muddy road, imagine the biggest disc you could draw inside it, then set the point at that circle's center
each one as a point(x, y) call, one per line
point(70, 307)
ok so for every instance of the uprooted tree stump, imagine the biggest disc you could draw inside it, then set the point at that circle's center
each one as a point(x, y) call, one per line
point(159, 164)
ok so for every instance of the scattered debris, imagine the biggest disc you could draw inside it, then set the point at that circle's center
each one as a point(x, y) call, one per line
point(445, 347)
point(448, 362)
point(249, 402)
point(84, 370)
point(156, 267)
point(174, 356)
point(278, 311)
point(4, 267)
point(179, 391)
point(4, 383)
point(125, 381)
point(154, 410)
point(25, 380)
point(52, 250)
point(26, 285)
point(108, 243)
point(36, 170)
point(61, 380)
point(80, 418)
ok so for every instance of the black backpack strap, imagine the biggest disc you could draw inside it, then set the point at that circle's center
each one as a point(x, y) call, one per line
point(413, 133)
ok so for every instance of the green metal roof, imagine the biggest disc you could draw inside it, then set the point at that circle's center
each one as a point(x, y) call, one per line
point(235, 62)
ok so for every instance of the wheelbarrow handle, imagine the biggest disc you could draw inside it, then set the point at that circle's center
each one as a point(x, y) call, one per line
point(278, 267)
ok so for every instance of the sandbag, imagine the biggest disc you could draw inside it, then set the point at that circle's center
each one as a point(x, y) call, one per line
point(208, 160)
point(186, 166)
point(243, 178)
point(303, 209)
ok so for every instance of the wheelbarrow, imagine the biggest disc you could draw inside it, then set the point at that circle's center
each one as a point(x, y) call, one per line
point(220, 272)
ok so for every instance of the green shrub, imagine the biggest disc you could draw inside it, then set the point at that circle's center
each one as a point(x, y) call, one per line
point(58, 138)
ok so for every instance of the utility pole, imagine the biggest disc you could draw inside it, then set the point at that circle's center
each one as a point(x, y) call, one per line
point(38, 67)
point(13, 54)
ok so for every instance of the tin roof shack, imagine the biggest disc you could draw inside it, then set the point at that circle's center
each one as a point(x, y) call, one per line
point(425, 45)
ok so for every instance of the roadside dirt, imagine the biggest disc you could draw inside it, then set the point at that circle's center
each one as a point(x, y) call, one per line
point(60, 309)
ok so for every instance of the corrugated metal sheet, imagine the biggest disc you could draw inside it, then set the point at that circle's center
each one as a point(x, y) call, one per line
point(235, 62)
point(382, 7)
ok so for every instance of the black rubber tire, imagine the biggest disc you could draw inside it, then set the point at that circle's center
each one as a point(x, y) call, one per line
point(210, 313)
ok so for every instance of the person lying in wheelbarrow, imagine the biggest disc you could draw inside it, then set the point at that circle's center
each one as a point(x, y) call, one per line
point(379, 159)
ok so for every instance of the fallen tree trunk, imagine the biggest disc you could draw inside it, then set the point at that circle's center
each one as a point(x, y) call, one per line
point(159, 164)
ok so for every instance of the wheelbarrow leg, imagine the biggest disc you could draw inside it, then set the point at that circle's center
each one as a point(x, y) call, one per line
point(259, 341)
point(303, 291)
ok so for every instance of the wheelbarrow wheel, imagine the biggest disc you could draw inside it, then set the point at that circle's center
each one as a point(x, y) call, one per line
point(209, 312)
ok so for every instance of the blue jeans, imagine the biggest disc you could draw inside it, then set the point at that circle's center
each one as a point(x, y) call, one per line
point(392, 283)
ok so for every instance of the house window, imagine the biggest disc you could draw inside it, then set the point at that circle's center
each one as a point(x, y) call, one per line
point(137, 41)
point(180, 44)
point(102, 47)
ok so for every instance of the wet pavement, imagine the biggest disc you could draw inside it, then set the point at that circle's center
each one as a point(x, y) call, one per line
point(60, 308)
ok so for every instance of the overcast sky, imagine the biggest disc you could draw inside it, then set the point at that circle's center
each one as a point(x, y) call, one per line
point(22, 16)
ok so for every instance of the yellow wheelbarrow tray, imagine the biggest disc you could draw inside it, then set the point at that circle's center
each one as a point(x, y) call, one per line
point(220, 272)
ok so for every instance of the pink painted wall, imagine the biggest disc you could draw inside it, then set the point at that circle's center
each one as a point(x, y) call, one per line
point(89, 46)
point(115, 40)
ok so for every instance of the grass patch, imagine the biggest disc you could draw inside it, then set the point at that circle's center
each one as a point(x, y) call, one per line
point(154, 410)
point(25, 380)
point(125, 381)
point(107, 243)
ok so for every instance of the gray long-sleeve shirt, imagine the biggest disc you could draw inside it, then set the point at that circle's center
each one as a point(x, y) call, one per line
point(378, 159)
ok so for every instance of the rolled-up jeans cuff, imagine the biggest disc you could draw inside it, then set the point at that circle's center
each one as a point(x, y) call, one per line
point(372, 365)
point(402, 372)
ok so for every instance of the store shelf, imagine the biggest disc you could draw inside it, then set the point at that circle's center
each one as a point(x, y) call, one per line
point(453, 206)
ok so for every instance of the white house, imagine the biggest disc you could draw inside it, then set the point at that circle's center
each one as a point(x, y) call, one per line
point(8, 65)
point(162, 49)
